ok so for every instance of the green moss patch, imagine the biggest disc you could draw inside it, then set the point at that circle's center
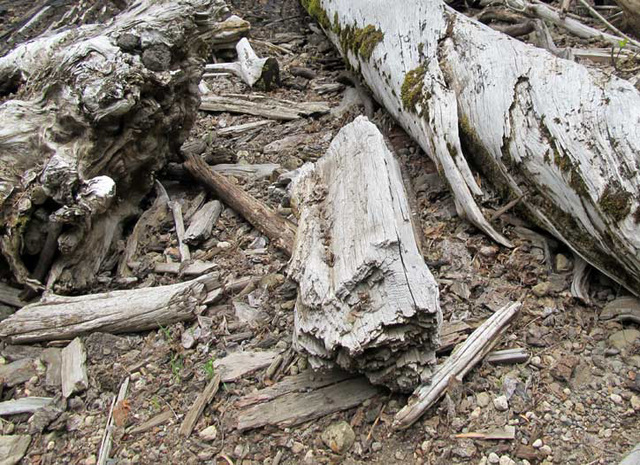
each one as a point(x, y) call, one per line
point(615, 201)
point(412, 87)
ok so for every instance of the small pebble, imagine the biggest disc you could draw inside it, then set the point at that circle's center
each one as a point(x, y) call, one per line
point(616, 399)
point(501, 404)
point(546, 450)
point(494, 458)
point(537, 444)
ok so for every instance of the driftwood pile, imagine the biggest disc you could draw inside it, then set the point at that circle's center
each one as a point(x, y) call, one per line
point(100, 109)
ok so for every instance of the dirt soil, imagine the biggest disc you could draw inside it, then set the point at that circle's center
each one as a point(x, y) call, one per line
point(574, 401)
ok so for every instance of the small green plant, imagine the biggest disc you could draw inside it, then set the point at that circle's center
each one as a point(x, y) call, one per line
point(176, 364)
point(208, 369)
point(166, 332)
point(155, 402)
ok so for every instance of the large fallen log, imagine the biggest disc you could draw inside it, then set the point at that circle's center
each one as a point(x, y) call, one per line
point(535, 124)
point(98, 109)
point(366, 302)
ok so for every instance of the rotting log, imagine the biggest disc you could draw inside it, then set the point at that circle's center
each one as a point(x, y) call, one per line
point(563, 134)
point(366, 300)
point(60, 317)
point(96, 110)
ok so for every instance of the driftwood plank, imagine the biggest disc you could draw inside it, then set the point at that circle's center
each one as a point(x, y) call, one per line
point(61, 317)
point(74, 368)
point(457, 365)
point(238, 364)
point(294, 408)
point(264, 107)
point(199, 405)
point(306, 381)
point(366, 300)
point(13, 448)
point(24, 405)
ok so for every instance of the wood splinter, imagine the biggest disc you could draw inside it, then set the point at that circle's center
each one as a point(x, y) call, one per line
point(457, 365)
point(249, 67)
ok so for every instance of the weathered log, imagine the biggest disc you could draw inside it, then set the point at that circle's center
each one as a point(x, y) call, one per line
point(366, 299)
point(563, 134)
point(60, 317)
point(263, 106)
point(101, 107)
point(457, 365)
point(279, 230)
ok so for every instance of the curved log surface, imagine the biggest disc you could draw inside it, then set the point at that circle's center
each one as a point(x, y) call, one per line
point(535, 124)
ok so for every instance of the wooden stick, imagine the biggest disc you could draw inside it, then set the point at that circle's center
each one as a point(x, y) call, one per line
point(457, 366)
point(176, 209)
point(199, 405)
point(105, 446)
point(604, 21)
point(263, 218)
point(575, 27)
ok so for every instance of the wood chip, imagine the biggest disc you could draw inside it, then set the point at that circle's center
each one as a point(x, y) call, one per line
point(236, 365)
point(152, 423)
point(13, 448)
point(74, 368)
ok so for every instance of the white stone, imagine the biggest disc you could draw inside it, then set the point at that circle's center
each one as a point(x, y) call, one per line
point(501, 404)
point(537, 444)
point(494, 458)
point(210, 433)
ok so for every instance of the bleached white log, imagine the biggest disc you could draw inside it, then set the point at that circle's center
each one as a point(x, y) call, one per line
point(366, 299)
point(61, 317)
point(202, 222)
point(74, 368)
point(564, 134)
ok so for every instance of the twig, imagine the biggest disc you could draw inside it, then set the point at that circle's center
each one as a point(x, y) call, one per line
point(375, 422)
point(105, 446)
point(604, 21)
point(505, 209)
